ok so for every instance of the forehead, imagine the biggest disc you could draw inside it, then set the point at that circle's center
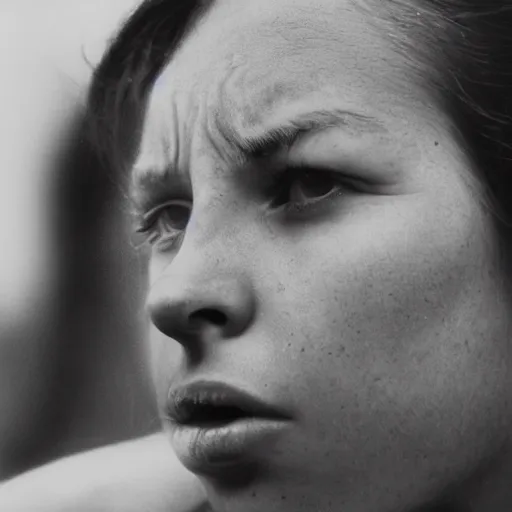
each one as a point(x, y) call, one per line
point(248, 63)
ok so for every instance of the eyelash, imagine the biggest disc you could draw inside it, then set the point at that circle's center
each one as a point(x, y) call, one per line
point(282, 180)
point(147, 222)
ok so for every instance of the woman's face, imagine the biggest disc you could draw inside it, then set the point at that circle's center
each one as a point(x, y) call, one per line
point(371, 309)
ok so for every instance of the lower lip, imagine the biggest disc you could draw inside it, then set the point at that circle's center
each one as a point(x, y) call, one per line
point(211, 447)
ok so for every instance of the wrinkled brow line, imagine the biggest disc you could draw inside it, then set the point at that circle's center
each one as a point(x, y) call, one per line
point(266, 144)
point(282, 136)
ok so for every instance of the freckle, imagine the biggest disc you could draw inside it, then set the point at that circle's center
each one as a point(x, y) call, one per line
point(436, 143)
point(330, 353)
point(302, 349)
point(283, 497)
point(289, 344)
point(254, 494)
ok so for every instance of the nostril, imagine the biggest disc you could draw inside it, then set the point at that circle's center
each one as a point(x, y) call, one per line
point(212, 316)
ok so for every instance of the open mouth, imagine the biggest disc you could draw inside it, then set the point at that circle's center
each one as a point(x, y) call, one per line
point(209, 415)
point(207, 404)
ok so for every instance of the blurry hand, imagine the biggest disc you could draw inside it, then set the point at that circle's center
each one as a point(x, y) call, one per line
point(134, 476)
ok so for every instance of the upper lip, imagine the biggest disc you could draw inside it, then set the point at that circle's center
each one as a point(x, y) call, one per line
point(206, 401)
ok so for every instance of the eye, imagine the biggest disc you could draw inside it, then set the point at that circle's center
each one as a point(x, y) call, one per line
point(165, 223)
point(301, 188)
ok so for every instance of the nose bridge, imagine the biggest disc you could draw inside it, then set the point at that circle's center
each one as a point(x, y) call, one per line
point(214, 254)
point(208, 284)
point(216, 230)
point(211, 248)
point(220, 215)
point(217, 205)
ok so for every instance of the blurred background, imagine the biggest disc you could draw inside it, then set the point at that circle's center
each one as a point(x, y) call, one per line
point(73, 372)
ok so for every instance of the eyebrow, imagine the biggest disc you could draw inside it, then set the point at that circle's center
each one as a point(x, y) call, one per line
point(282, 137)
point(266, 144)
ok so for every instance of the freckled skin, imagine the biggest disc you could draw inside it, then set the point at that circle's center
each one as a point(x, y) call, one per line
point(383, 325)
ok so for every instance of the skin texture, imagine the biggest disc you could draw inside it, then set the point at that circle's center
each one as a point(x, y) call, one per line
point(106, 479)
point(377, 319)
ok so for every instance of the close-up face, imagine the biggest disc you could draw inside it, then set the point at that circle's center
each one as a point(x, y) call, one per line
point(342, 270)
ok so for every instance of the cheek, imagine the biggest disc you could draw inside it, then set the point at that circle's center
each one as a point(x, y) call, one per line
point(397, 270)
point(389, 361)
point(395, 305)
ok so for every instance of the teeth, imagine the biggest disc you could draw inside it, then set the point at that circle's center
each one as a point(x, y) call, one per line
point(207, 399)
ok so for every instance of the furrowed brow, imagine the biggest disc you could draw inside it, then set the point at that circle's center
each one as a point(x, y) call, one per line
point(269, 142)
point(272, 141)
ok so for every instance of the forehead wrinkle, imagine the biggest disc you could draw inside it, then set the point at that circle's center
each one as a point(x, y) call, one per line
point(218, 118)
point(175, 152)
point(249, 95)
point(224, 113)
point(165, 129)
point(239, 104)
point(241, 96)
point(244, 82)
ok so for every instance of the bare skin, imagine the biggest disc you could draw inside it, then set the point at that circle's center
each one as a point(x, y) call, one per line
point(378, 317)
point(130, 476)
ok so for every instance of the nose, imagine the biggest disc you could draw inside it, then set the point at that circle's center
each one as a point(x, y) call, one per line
point(188, 306)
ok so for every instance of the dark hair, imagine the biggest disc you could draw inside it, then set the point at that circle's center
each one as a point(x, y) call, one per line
point(133, 61)
point(461, 48)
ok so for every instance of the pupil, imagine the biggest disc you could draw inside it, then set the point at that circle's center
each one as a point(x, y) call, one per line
point(315, 184)
point(176, 217)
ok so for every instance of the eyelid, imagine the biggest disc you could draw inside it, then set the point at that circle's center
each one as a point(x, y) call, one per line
point(290, 172)
point(287, 175)
point(146, 219)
